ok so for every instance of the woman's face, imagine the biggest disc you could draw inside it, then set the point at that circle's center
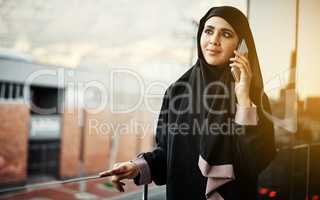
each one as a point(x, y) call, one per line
point(218, 41)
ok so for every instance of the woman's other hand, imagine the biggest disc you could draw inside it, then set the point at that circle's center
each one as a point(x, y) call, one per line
point(120, 171)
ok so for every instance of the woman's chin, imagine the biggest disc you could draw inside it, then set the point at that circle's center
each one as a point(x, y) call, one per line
point(215, 62)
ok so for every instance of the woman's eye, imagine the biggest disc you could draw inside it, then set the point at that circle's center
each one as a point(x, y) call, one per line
point(227, 34)
point(208, 31)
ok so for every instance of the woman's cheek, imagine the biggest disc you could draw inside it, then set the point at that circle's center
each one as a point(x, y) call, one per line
point(230, 51)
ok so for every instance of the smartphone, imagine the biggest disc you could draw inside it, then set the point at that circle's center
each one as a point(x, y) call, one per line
point(242, 48)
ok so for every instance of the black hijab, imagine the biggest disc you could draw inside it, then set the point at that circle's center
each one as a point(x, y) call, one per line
point(217, 152)
point(240, 24)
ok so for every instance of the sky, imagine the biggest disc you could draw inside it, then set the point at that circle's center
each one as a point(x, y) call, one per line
point(158, 36)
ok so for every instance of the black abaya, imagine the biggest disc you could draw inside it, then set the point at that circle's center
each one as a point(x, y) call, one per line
point(182, 135)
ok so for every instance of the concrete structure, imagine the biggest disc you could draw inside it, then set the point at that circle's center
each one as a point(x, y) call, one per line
point(51, 127)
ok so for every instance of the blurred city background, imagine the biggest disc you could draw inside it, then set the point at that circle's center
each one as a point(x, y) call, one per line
point(81, 84)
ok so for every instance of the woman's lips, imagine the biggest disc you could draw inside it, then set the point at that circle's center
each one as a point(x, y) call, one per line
point(213, 51)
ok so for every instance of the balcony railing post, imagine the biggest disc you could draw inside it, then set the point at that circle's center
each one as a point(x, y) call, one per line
point(145, 192)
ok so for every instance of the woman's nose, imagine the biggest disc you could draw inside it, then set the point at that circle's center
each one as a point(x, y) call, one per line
point(214, 39)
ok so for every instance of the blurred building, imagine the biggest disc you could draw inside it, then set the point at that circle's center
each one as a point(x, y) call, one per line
point(49, 130)
point(294, 172)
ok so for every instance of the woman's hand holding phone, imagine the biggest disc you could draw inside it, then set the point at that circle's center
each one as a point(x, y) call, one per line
point(242, 73)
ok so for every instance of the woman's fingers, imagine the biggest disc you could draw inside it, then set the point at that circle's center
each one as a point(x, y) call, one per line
point(243, 59)
point(241, 67)
point(245, 70)
point(118, 185)
point(116, 180)
point(120, 171)
point(106, 173)
point(118, 168)
point(110, 172)
point(121, 176)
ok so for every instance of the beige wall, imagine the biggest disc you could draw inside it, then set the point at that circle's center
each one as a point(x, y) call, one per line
point(14, 130)
point(107, 138)
point(70, 143)
point(97, 144)
point(273, 25)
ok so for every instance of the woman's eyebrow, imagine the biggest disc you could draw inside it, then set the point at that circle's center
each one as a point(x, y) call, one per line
point(223, 29)
point(226, 29)
point(209, 26)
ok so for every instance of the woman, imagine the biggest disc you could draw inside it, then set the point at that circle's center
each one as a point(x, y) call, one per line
point(212, 137)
